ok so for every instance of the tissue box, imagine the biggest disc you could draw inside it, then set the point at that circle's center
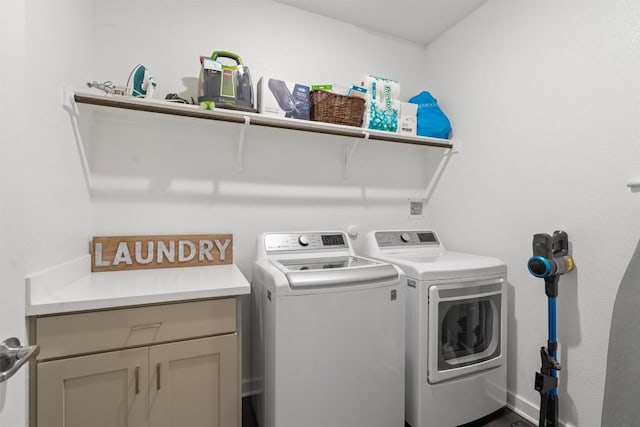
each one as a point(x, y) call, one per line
point(283, 99)
point(358, 91)
point(408, 119)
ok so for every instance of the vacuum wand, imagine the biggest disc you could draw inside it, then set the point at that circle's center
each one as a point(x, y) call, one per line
point(550, 260)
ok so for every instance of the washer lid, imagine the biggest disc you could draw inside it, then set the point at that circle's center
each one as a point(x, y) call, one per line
point(304, 264)
point(331, 272)
point(446, 265)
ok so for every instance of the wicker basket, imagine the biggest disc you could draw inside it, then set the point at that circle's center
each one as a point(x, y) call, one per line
point(339, 109)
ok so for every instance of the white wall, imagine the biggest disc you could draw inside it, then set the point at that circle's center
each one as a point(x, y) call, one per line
point(44, 205)
point(163, 175)
point(273, 39)
point(59, 52)
point(170, 174)
point(12, 265)
point(545, 97)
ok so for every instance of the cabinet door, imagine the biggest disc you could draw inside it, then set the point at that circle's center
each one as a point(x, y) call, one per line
point(195, 383)
point(102, 390)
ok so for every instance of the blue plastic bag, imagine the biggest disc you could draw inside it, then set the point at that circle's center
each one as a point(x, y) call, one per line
point(431, 120)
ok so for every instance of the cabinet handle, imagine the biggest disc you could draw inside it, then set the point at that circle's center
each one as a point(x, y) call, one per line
point(146, 326)
point(158, 376)
point(137, 379)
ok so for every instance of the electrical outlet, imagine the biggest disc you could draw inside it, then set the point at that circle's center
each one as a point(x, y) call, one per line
point(416, 208)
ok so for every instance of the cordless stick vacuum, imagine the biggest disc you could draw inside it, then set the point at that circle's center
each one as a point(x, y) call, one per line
point(550, 260)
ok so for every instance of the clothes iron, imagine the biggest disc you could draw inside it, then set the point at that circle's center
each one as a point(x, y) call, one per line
point(141, 83)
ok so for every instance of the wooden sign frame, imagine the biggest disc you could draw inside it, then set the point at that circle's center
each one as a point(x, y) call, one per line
point(114, 253)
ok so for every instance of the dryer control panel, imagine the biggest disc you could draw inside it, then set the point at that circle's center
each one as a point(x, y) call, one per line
point(407, 238)
point(304, 241)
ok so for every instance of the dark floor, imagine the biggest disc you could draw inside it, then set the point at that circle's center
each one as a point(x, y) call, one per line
point(505, 417)
point(502, 418)
point(248, 419)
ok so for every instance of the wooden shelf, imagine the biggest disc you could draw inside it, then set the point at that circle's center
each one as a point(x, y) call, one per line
point(183, 110)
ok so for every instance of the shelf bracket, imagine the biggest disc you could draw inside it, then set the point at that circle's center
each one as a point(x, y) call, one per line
point(70, 106)
point(456, 146)
point(349, 152)
point(634, 185)
point(435, 178)
point(240, 154)
point(68, 102)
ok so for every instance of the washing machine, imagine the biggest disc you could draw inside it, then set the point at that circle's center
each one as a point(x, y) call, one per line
point(328, 334)
point(456, 364)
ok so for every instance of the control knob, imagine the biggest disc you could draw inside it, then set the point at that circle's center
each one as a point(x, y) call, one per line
point(405, 237)
point(303, 240)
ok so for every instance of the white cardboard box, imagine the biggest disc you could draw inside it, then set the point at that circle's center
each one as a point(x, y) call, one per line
point(284, 99)
point(408, 124)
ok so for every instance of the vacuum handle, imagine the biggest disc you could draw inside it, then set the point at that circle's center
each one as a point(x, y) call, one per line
point(226, 54)
point(560, 243)
point(542, 245)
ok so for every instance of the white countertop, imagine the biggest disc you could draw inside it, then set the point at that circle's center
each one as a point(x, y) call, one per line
point(73, 287)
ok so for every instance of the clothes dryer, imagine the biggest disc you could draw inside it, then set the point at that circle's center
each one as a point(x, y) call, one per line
point(328, 334)
point(456, 332)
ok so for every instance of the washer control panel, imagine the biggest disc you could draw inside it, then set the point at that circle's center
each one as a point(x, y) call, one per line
point(304, 241)
point(407, 238)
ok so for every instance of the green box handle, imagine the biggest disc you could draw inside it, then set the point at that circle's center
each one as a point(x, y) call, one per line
point(225, 54)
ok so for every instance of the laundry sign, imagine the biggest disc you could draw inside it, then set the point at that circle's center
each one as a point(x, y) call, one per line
point(111, 253)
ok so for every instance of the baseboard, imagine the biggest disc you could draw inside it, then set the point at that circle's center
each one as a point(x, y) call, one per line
point(526, 409)
point(520, 406)
point(523, 407)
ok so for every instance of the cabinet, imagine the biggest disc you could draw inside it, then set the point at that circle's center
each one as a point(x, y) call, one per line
point(157, 366)
point(97, 390)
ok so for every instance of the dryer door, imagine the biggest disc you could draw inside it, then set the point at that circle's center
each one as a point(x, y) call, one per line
point(465, 328)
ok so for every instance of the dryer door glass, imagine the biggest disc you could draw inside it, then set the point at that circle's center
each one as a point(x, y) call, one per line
point(469, 331)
